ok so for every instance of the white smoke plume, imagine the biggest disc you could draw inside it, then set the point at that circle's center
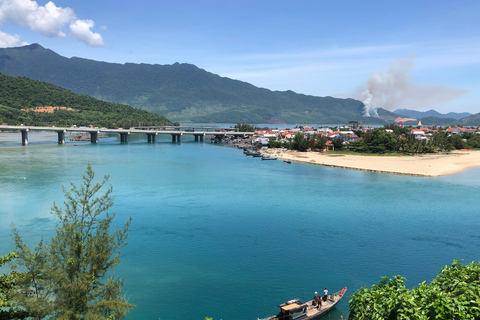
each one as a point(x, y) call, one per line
point(392, 89)
point(369, 110)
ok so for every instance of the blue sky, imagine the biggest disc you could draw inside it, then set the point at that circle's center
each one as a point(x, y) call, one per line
point(401, 54)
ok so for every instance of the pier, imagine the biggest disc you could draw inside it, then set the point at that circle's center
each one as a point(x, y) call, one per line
point(151, 132)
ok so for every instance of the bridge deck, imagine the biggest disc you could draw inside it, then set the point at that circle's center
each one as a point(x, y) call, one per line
point(176, 134)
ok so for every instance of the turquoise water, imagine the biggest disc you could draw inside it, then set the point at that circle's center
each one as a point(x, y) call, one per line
point(219, 234)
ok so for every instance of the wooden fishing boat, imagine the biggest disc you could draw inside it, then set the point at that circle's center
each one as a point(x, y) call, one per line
point(296, 310)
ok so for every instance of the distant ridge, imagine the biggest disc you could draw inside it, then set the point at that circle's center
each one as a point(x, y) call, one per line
point(180, 92)
point(432, 113)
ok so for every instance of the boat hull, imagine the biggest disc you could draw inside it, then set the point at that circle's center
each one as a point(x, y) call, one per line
point(295, 310)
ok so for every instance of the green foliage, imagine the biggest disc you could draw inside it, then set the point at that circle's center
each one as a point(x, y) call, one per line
point(18, 93)
point(457, 141)
point(441, 141)
point(274, 143)
point(453, 294)
point(380, 141)
point(7, 282)
point(299, 142)
point(318, 141)
point(474, 142)
point(338, 143)
point(33, 289)
point(396, 129)
point(244, 127)
point(68, 277)
point(8, 288)
point(376, 141)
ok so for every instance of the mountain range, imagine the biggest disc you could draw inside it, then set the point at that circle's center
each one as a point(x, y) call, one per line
point(432, 113)
point(185, 93)
point(180, 92)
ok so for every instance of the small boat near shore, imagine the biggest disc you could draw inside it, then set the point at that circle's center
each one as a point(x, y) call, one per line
point(296, 310)
point(250, 152)
point(268, 158)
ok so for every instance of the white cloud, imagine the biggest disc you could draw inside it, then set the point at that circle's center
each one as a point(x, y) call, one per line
point(48, 20)
point(8, 40)
point(81, 31)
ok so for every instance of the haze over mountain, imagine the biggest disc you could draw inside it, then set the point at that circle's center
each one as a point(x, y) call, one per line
point(180, 92)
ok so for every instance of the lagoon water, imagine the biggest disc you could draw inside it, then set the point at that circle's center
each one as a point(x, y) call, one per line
point(219, 234)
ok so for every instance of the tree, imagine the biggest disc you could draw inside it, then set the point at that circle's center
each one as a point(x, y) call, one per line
point(338, 143)
point(453, 294)
point(274, 143)
point(34, 287)
point(383, 141)
point(244, 127)
point(7, 282)
point(73, 269)
point(474, 141)
point(299, 142)
point(318, 141)
point(8, 287)
point(457, 141)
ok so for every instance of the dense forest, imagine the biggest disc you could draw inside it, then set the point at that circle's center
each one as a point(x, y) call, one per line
point(19, 96)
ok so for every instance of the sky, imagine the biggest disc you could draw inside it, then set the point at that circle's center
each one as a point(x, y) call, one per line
point(391, 54)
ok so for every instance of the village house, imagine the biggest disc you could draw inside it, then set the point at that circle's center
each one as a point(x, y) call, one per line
point(419, 134)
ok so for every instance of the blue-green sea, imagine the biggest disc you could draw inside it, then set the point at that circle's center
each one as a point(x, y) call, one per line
point(216, 233)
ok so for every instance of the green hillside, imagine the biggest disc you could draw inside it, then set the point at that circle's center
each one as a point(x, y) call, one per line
point(181, 92)
point(473, 120)
point(19, 94)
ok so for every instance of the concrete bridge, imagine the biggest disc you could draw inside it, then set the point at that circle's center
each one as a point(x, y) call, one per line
point(150, 132)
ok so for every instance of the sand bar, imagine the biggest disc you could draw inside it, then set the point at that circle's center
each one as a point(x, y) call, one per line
point(428, 165)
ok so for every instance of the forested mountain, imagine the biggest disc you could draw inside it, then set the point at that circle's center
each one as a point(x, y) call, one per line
point(22, 98)
point(473, 120)
point(180, 92)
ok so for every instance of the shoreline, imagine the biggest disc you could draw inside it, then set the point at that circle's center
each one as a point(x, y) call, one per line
point(426, 165)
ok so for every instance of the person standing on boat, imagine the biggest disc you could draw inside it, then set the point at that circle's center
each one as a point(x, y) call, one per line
point(325, 294)
point(316, 299)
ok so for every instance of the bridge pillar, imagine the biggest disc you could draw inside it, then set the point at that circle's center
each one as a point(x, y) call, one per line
point(199, 136)
point(94, 136)
point(176, 137)
point(124, 137)
point(151, 137)
point(61, 137)
point(24, 137)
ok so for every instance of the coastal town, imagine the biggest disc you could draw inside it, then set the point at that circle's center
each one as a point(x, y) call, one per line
point(458, 153)
point(349, 134)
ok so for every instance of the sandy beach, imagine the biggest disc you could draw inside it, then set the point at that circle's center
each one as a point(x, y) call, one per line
point(428, 165)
